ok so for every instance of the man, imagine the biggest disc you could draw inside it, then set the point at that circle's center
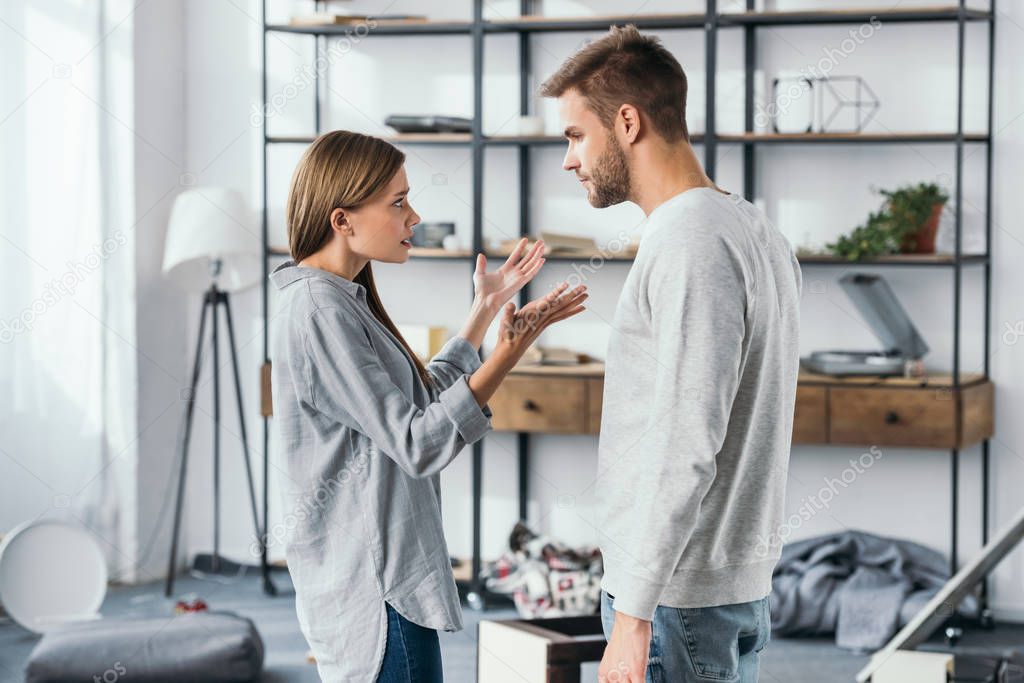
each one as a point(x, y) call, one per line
point(700, 379)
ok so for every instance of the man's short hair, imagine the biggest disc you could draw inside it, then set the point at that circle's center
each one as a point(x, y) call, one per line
point(627, 67)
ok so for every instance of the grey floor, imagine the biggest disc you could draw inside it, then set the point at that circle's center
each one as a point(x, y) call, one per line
point(785, 661)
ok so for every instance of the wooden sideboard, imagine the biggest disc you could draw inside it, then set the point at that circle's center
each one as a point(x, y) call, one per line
point(920, 413)
point(550, 399)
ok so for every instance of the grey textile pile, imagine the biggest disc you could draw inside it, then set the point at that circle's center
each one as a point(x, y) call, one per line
point(857, 585)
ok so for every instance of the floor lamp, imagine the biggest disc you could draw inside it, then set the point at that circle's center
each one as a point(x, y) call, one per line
point(210, 250)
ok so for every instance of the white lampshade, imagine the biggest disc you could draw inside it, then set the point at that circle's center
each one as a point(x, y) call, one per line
point(210, 223)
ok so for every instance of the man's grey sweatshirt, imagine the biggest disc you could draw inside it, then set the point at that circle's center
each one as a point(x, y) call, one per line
point(697, 419)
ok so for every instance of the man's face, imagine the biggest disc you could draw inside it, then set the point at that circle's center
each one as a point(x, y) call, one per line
point(594, 154)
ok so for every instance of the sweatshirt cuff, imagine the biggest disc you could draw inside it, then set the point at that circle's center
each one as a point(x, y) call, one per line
point(463, 410)
point(632, 595)
point(460, 353)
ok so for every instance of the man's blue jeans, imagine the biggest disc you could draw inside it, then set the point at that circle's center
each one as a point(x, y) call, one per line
point(705, 644)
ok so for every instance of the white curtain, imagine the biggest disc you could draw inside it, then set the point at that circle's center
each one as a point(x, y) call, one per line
point(67, 396)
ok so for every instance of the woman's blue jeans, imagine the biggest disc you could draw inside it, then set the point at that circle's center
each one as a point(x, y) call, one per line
point(412, 653)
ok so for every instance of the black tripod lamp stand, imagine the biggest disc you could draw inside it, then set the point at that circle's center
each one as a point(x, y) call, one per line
point(209, 248)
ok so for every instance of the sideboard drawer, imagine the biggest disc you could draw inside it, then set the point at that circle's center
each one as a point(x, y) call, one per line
point(531, 403)
point(595, 401)
point(810, 415)
point(924, 418)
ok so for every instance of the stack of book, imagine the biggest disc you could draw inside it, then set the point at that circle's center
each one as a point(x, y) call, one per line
point(342, 19)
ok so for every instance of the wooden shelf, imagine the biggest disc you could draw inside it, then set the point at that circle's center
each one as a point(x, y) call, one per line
point(536, 23)
point(945, 13)
point(400, 139)
point(441, 254)
point(917, 260)
point(538, 140)
point(431, 139)
point(548, 140)
point(415, 252)
point(907, 137)
point(934, 260)
point(931, 380)
point(573, 256)
point(464, 570)
point(696, 138)
point(924, 412)
point(592, 369)
point(383, 27)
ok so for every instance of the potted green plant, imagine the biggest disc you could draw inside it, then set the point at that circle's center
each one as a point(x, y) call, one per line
point(906, 222)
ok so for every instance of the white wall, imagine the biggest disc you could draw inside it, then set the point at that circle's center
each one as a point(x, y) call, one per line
point(812, 193)
point(164, 351)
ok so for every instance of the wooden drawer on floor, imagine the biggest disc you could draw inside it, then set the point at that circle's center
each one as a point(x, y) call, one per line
point(531, 403)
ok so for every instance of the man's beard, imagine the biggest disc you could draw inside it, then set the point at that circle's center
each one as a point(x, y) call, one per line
point(610, 179)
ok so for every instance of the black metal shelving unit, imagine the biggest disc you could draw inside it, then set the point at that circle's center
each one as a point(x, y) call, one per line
point(711, 22)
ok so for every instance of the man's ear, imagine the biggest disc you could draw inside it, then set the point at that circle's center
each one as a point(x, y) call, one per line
point(628, 120)
point(340, 222)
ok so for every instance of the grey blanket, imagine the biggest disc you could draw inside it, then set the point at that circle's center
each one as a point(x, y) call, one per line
point(854, 584)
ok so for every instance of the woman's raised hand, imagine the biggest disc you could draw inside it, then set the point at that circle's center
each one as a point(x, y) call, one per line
point(494, 289)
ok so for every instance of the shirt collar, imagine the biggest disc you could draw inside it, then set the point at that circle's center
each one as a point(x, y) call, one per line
point(288, 272)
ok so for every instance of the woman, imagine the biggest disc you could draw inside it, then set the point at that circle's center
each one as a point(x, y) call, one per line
point(365, 426)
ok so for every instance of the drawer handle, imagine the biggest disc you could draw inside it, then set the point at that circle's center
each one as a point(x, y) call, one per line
point(529, 405)
point(892, 417)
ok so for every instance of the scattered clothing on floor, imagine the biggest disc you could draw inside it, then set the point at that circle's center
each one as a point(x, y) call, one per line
point(545, 577)
point(859, 586)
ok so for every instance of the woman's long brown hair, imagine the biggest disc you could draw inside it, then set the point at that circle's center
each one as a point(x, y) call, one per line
point(342, 170)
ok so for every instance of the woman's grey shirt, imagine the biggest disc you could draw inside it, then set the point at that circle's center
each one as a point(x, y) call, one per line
point(364, 441)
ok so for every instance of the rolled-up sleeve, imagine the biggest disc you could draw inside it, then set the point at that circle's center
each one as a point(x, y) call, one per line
point(456, 359)
point(349, 383)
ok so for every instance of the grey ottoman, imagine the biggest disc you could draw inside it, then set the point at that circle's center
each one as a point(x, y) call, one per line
point(205, 647)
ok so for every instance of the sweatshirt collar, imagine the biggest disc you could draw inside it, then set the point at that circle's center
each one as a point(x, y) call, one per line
point(690, 192)
point(288, 272)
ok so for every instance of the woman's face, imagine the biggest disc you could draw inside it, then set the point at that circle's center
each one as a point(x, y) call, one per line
point(382, 227)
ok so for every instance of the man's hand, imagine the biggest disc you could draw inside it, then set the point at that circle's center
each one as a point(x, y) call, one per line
point(625, 658)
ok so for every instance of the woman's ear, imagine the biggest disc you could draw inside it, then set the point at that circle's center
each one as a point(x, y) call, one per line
point(340, 222)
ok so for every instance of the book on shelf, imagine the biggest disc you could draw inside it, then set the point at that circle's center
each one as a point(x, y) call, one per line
point(552, 355)
point(561, 244)
point(337, 19)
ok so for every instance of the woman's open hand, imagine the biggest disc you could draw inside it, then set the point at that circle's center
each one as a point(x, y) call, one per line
point(519, 329)
point(493, 290)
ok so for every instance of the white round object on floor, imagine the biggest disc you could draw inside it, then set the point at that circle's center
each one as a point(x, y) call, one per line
point(51, 572)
